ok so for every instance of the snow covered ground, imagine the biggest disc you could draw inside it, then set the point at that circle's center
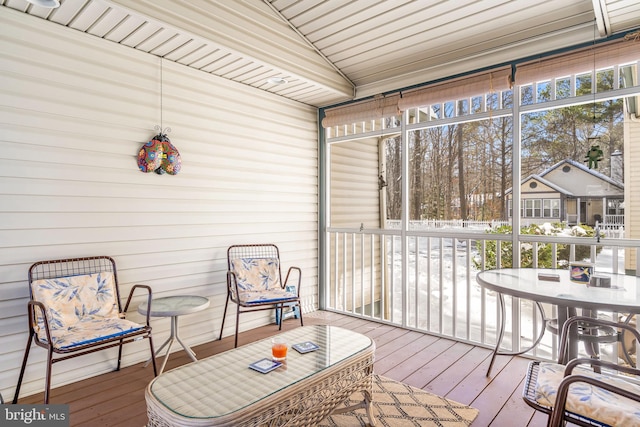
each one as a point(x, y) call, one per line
point(446, 284)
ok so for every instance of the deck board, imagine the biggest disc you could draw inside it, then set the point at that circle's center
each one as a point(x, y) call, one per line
point(498, 390)
point(455, 374)
point(446, 367)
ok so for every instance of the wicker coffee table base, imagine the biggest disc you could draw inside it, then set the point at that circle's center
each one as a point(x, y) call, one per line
point(303, 404)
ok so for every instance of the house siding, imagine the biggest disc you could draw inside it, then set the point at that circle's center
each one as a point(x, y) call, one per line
point(632, 181)
point(76, 110)
point(581, 183)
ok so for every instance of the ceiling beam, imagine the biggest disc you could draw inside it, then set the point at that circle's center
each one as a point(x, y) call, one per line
point(251, 30)
point(602, 17)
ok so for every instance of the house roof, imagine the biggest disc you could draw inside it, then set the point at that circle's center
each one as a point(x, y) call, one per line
point(550, 184)
point(563, 190)
point(578, 165)
point(332, 51)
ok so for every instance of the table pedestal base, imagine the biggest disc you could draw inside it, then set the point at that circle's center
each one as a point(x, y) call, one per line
point(169, 342)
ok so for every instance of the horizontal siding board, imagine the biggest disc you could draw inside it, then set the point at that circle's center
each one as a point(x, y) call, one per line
point(66, 236)
point(147, 183)
point(45, 95)
point(74, 112)
point(64, 220)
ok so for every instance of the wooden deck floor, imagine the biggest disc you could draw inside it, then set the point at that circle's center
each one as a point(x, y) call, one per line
point(445, 367)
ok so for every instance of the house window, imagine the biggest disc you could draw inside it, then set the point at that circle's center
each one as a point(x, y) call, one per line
point(551, 208)
point(541, 208)
point(532, 208)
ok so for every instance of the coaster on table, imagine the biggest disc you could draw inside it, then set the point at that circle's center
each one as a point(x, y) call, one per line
point(305, 347)
point(265, 365)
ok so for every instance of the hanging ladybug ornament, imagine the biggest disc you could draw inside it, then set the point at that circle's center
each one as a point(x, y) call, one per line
point(171, 161)
point(150, 155)
point(159, 155)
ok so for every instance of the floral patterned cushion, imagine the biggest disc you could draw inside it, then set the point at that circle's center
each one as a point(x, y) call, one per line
point(587, 400)
point(80, 309)
point(259, 281)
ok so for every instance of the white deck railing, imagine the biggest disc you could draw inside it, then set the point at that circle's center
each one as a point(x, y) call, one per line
point(426, 281)
point(612, 226)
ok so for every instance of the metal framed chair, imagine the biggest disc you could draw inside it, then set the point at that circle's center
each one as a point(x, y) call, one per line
point(585, 391)
point(74, 309)
point(254, 282)
point(593, 336)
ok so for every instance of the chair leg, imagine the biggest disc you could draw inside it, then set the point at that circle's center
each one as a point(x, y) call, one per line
point(224, 315)
point(119, 355)
point(153, 356)
point(47, 386)
point(280, 308)
point(300, 312)
point(22, 369)
point(237, 325)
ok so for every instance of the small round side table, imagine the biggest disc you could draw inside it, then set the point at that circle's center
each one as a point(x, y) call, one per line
point(173, 307)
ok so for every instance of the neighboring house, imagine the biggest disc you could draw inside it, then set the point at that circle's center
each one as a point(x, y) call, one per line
point(569, 191)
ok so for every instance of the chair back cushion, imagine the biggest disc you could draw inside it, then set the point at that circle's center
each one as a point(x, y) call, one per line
point(587, 400)
point(258, 280)
point(257, 274)
point(79, 309)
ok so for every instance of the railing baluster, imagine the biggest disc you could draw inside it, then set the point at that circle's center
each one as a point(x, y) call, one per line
point(428, 283)
point(454, 291)
point(416, 297)
point(362, 270)
point(372, 276)
point(353, 272)
point(441, 286)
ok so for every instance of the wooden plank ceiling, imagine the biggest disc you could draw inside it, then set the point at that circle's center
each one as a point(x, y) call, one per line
point(332, 51)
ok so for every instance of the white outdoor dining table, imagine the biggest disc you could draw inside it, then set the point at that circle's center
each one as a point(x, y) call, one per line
point(622, 297)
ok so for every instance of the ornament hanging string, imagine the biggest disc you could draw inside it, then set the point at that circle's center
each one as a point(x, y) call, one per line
point(159, 155)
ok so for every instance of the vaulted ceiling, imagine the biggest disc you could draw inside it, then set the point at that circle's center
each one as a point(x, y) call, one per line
point(332, 51)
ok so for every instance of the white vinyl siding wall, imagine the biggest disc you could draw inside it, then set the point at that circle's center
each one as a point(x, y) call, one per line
point(354, 184)
point(632, 181)
point(75, 110)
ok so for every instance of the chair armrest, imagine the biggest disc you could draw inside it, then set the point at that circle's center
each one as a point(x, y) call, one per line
point(286, 280)
point(149, 296)
point(557, 413)
point(32, 306)
point(232, 286)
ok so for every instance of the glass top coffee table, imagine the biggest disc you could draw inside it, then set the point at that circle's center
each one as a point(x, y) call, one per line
point(222, 390)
